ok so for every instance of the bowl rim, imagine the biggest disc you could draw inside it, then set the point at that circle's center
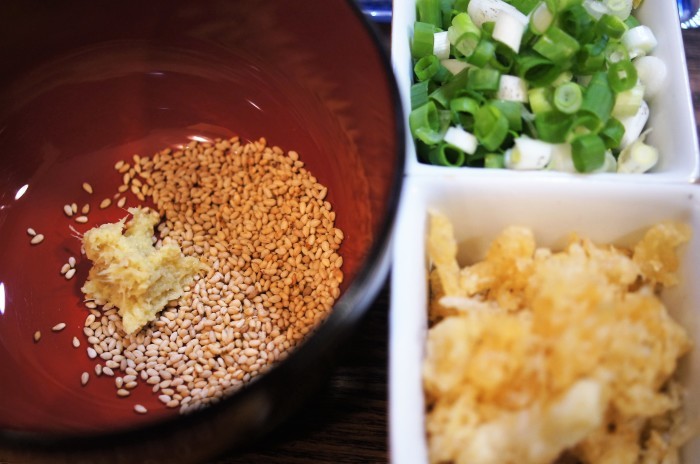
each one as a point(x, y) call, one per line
point(327, 337)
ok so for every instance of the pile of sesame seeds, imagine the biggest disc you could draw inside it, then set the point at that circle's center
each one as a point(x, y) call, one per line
point(261, 223)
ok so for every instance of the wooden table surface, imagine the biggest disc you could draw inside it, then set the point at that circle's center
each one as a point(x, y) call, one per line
point(349, 422)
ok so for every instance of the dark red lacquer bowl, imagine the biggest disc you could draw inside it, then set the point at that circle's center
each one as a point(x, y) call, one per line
point(84, 84)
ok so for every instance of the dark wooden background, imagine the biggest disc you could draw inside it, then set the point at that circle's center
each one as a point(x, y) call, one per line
point(348, 422)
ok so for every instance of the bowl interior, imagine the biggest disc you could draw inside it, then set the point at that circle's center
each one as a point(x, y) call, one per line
point(553, 210)
point(100, 84)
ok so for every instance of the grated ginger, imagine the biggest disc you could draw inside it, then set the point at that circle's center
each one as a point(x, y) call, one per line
point(133, 275)
point(540, 355)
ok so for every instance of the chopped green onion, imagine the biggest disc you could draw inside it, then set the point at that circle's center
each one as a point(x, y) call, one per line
point(491, 127)
point(591, 57)
point(446, 155)
point(568, 98)
point(429, 11)
point(494, 161)
point(588, 152)
point(513, 111)
point(598, 98)
point(619, 8)
point(487, 28)
point(652, 72)
point(612, 26)
point(512, 88)
point(615, 52)
point(553, 126)
point(509, 31)
point(631, 22)
point(612, 133)
point(503, 59)
point(540, 99)
point(483, 53)
point(541, 18)
point(483, 11)
point(441, 45)
point(563, 78)
point(454, 66)
point(637, 158)
point(464, 34)
point(490, 80)
point(622, 76)
point(426, 67)
point(419, 94)
point(442, 75)
point(538, 71)
point(585, 123)
point(524, 6)
point(627, 103)
point(609, 164)
point(528, 154)
point(639, 41)
point(463, 111)
point(446, 10)
point(634, 125)
point(563, 5)
point(425, 123)
point(443, 94)
point(576, 22)
point(556, 45)
point(422, 40)
point(461, 139)
point(464, 105)
point(483, 79)
point(561, 159)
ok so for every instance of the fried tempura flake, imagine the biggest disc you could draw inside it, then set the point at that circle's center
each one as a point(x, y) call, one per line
point(540, 353)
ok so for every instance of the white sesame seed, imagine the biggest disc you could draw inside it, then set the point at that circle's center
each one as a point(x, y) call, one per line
point(37, 336)
point(87, 187)
point(105, 203)
point(58, 327)
point(123, 393)
point(121, 202)
point(85, 209)
point(70, 273)
point(37, 239)
point(76, 342)
point(92, 354)
point(107, 371)
point(71, 261)
point(68, 210)
point(140, 409)
point(81, 219)
point(65, 268)
point(31, 232)
point(90, 305)
point(74, 208)
point(98, 369)
point(84, 377)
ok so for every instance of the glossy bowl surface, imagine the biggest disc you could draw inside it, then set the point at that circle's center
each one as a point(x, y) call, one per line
point(87, 84)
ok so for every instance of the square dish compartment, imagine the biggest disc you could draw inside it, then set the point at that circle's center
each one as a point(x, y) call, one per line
point(672, 116)
point(480, 208)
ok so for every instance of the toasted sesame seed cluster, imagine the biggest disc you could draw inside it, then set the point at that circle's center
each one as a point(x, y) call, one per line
point(261, 223)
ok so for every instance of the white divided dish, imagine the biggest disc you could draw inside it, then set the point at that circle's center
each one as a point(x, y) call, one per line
point(480, 208)
point(671, 118)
